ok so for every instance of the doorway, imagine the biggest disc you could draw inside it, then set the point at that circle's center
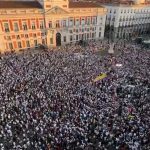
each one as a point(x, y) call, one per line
point(58, 39)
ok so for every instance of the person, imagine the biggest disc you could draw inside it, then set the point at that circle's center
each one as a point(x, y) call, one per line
point(48, 99)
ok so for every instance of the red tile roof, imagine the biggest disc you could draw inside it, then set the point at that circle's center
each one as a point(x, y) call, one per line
point(19, 4)
point(82, 5)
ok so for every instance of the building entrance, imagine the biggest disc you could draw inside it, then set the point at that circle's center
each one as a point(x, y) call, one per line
point(58, 39)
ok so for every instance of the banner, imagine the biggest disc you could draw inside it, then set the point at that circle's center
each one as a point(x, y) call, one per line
point(100, 77)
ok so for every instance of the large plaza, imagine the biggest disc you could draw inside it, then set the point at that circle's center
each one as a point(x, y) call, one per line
point(74, 75)
point(49, 99)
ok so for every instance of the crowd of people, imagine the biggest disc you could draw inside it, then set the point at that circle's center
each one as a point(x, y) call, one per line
point(48, 100)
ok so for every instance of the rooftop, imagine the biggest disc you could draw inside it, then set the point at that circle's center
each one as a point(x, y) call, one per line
point(118, 2)
point(19, 4)
point(83, 5)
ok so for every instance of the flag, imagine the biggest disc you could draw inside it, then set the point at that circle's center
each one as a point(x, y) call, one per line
point(130, 117)
point(100, 77)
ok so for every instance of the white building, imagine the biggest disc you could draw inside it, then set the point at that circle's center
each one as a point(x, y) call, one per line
point(126, 20)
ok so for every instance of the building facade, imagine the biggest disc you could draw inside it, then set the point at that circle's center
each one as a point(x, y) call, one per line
point(50, 22)
point(127, 20)
point(20, 27)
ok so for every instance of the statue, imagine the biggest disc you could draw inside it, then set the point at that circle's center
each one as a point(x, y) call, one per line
point(111, 49)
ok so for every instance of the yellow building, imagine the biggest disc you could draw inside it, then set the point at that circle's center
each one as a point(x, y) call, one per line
point(51, 22)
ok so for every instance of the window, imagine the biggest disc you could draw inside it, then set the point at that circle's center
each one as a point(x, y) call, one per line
point(28, 43)
point(99, 34)
point(88, 21)
point(70, 22)
point(80, 36)
point(26, 36)
point(10, 46)
point(41, 25)
point(77, 38)
point(19, 45)
point(18, 37)
point(33, 25)
point(16, 28)
point(43, 41)
point(70, 37)
point(64, 23)
point(34, 35)
point(87, 35)
point(6, 27)
point(77, 22)
point(50, 24)
point(92, 35)
point(35, 42)
point(51, 40)
point(109, 18)
point(64, 38)
point(70, 31)
point(113, 19)
point(76, 30)
point(25, 26)
point(8, 38)
point(42, 34)
point(83, 22)
point(57, 24)
point(94, 20)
